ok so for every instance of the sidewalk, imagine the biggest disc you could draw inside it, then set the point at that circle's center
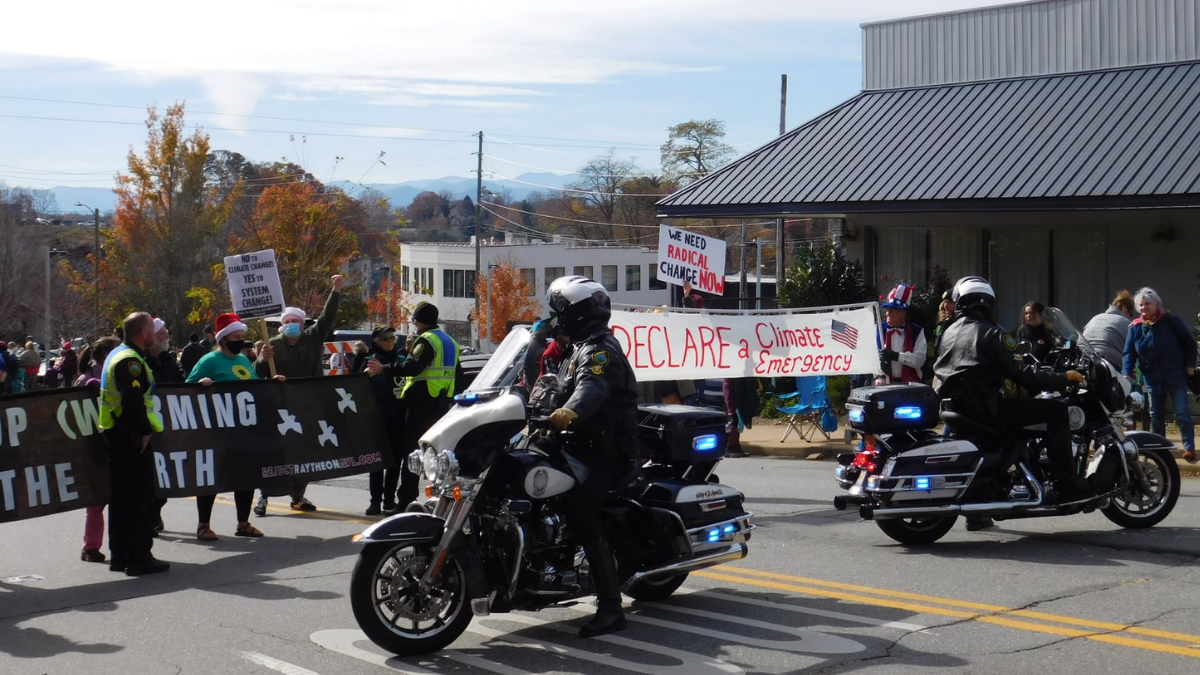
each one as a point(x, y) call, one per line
point(762, 440)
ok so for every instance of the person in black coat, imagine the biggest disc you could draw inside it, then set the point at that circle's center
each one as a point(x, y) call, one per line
point(383, 484)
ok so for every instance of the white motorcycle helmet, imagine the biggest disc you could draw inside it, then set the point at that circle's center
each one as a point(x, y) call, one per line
point(974, 293)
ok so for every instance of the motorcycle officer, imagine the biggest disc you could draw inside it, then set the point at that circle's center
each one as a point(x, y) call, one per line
point(601, 409)
point(976, 357)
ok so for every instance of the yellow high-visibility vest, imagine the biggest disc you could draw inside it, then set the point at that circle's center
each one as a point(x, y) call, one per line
point(439, 374)
point(110, 397)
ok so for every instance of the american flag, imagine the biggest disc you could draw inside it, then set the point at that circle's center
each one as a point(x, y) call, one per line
point(845, 334)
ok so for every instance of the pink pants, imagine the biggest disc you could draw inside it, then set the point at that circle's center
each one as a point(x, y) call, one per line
point(93, 527)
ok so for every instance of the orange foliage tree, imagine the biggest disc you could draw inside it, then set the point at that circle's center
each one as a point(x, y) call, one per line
point(167, 232)
point(377, 306)
point(305, 228)
point(513, 299)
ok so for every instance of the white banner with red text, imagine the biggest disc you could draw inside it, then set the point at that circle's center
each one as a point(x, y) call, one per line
point(664, 345)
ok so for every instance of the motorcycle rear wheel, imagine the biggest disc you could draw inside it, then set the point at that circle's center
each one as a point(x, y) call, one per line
point(1146, 507)
point(656, 589)
point(917, 531)
point(394, 612)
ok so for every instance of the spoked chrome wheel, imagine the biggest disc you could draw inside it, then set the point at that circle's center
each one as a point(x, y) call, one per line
point(395, 611)
point(1149, 499)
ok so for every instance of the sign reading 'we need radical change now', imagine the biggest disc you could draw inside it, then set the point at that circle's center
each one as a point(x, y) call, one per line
point(692, 258)
point(254, 284)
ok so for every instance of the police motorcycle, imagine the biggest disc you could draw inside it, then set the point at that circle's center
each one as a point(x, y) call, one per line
point(914, 482)
point(494, 533)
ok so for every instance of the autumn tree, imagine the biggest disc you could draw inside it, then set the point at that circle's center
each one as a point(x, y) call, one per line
point(390, 293)
point(513, 299)
point(305, 229)
point(694, 149)
point(167, 229)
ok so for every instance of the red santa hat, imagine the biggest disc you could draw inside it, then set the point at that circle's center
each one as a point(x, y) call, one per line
point(228, 323)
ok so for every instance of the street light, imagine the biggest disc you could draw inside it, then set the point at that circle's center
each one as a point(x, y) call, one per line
point(96, 267)
point(49, 330)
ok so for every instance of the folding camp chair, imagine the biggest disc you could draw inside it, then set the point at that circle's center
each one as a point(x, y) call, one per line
point(804, 416)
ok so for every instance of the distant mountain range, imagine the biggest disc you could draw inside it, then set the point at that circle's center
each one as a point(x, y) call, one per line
point(400, 194)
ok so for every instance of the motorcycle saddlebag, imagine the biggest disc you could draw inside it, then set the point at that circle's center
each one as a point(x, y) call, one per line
point(698, 504)
point(681, 433)
point(892, 407)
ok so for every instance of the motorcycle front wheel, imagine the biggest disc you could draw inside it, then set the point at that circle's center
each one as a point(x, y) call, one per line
point(395, 612)
point(1147, 502)
point(917, 531)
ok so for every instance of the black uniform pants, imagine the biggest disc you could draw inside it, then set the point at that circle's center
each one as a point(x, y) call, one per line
point(1015, 413)
point(383, 484)
point(422, 413)
point(587, 504)
point(131, 509)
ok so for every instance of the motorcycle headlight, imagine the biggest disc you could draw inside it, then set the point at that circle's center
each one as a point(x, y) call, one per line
point(447, 464)
point(429, 464)
point(414, 462)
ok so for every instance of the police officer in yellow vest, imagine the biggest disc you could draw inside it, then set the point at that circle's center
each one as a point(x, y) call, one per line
point(128, 421)
point(431, 369)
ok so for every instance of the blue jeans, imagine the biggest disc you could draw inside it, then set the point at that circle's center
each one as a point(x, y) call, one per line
point(1179, 401)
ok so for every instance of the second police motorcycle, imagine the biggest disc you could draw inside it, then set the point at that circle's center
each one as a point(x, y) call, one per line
point(914, 482)
point(494, 534)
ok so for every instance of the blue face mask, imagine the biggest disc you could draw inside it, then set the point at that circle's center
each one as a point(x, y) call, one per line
point(292, 330)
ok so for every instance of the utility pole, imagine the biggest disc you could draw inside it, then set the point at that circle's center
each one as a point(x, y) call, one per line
point(96, 272)
point(478, 228)
point(49, 331)
point(758, 275)
point(780, 250)
point(742, 269)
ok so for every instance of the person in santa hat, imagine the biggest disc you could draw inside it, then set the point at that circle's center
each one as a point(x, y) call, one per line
point(226, 364)
point(904, 350)
point(297, 352)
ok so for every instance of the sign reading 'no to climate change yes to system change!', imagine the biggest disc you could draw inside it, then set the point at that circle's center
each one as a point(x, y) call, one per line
point(254, 284)
point(690, 346)
point(696, 259)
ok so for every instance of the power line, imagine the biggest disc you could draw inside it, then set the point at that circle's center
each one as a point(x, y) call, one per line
point(586, 192)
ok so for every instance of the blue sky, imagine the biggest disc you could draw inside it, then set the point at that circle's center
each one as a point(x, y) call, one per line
point(552, 83)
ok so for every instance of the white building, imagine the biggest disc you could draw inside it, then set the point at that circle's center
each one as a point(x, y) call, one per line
point(444, 273)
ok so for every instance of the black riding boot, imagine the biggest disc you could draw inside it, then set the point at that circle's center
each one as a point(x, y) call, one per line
point(609, 618)
point(1067, 482)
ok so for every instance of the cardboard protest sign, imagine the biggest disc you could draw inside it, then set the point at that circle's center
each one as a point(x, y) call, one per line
point(254, 284)
point(684, 256)
point(225, 437)
point(690, 346)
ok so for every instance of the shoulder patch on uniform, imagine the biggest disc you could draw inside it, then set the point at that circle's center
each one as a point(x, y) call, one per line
point(418, 348)
point(599, 361)
point(135, 368)
point(1010, 342)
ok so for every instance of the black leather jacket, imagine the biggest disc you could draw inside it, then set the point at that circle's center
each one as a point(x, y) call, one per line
point(598, 384)
point(976, 357)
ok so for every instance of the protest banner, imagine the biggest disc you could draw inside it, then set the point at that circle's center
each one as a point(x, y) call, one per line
point(693, 346)
point(254, 284)
point(224, 437)
point(696, 259)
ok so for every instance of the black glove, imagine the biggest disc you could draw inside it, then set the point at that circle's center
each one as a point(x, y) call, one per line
point(888, 355)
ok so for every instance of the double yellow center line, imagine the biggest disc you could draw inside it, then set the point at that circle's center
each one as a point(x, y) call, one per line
point(1054, 624)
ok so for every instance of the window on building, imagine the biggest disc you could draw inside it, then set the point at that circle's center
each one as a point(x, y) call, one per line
point(459, 281)
point(429, 276)
point(404, 276)
point(655, 284)
point(608, 277)
point(419, 280)
point(633, 277)
point(553, 273)
point(469, 280)
point(448, 284)
point(529, 275)
point(584, 271)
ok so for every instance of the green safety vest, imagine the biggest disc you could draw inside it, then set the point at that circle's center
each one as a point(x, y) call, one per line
point(439, 374)
point(110, 397)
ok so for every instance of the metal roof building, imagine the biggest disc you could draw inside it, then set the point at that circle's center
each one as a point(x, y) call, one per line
point(1050, 145)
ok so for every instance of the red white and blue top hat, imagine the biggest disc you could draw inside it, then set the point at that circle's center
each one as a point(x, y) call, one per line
point(900, 296)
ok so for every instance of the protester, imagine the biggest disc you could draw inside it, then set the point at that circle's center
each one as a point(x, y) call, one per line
point(904, 349)
point(297, 353)
point(539, 339)
point(209, 342)
point(741, 404)
point(191, 354)
point(383, 484)
point(93, 520)
point(690, 298)
point(1034, 331)
point(226, 364)
point(945, 318)
point(5, 388)
point(1108, 331)
point(431, 370)
point(555, 352)
point(30, 362)
point(166, 370)
point(128, 420)
point(1161, 344)
point(68, 364)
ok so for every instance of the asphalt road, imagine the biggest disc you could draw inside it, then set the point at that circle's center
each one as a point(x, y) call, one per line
point(821, 592)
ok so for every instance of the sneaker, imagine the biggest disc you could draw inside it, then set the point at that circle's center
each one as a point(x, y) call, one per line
point(303, 505)
point(92, 555)
point(260, 507)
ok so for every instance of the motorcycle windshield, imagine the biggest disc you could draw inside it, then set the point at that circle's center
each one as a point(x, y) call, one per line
point(1061, 327)
point(503, 367)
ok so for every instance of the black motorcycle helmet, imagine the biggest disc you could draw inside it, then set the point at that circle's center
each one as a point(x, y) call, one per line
point(974, 293)
point(577, 303)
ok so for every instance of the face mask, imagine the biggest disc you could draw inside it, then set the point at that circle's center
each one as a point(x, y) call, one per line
point(235, 346)
point(291, 330)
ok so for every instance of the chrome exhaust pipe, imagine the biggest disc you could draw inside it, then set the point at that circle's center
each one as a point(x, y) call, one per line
point(986, 508)
point(732, 554)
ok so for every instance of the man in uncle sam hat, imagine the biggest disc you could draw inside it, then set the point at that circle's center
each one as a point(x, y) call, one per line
point(904, 351)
